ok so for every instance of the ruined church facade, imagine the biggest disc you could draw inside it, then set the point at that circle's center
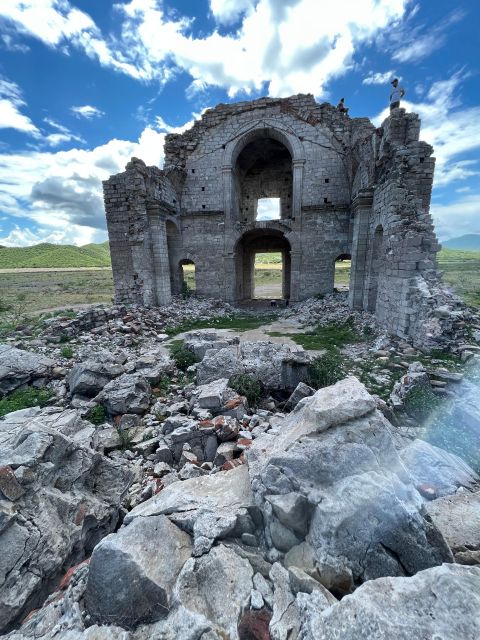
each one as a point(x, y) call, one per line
point(346, 189)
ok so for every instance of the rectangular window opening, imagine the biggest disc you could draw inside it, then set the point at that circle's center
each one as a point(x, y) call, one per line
point(268, 209)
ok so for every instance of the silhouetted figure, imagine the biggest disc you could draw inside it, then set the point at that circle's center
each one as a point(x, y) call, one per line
point(397, 93)
point(341, 106)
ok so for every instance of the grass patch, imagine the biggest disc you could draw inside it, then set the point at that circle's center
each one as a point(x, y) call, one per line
point(182, 356)
point(97, 414)
point(326, 370)
point(328, 336)
point(49, 255)
point(66, 352)
point(25, 398)
point(247, 386)
point(235, 323)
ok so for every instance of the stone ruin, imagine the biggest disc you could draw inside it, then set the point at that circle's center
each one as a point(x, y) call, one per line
point(346, 189)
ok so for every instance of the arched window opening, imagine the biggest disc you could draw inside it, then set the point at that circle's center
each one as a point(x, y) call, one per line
point(342, 272)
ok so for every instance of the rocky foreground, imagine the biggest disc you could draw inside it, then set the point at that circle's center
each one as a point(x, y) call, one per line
point(184, 512)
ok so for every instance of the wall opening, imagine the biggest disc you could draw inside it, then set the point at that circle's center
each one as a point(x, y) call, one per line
point(268, 276)
point(256, 247)
point(342, 272)
point(188, 277)
point(268, 209)
point(263, 181)
point(375, 263)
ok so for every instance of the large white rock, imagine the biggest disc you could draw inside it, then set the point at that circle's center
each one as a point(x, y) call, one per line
point(132, 572)
point(439, 603)
point(335, 495)
point(65, 497)
point(19, 367)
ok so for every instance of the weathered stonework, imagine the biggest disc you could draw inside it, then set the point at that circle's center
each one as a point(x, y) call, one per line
point(346, 188)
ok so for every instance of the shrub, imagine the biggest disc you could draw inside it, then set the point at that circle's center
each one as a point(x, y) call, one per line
point(25, 398)
point(66, 352)
point(182, 356)
point(247, 386)
point(421, 402)
point(97, 414)
point(186, 291)
point(125, 438)
point(325, 370)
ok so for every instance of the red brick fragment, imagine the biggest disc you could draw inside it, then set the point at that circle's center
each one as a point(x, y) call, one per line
point(254, 625)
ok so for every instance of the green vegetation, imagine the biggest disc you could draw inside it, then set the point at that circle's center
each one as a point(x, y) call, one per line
point(461, 270)
point(25, 398)
point(162, 387)
point(47, 255)
point(236, 323)
point(268, 258)
point(247, 386)
point(182, 356)
point(66, 352)
point(326, 369)
point(97, 414)
point(32, 292)
point(421, 402)
point(125, 437)
point(328, 336)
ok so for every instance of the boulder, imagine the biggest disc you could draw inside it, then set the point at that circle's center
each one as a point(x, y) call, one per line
point(154, 366)
point(223, 361)
point(199, 342)
point(88, 378)
point(217, 585)
point(443, 471)
point(70, 498)
point(132, 572)
point(301, 391)
point(209, 507)
point(212, 395)
point(19, 368)
point(441, 602)
point(335, 495)
point(130, 393)
point(458, 519)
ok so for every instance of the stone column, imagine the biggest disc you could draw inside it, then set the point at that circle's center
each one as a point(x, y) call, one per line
point(227, 176)
point(160, 261)
point(296, 293)
point(297, 188)
point(362, 209)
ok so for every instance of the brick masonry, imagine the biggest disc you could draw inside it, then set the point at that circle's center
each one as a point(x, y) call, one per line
point(345, 187)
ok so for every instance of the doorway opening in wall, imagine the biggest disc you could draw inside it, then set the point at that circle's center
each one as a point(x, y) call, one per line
point(188, 279)
point(342, 272)
point(268, 276)
point(268, 209)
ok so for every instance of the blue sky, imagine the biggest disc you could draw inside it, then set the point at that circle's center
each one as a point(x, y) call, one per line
point(86, 84)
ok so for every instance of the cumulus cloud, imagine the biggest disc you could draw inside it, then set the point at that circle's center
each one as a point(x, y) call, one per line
point(11, 102)
point(87, 111)
point(449, 128)
point(379, 77)
point(458, 217)
point(61, 192)
point(62, 134)
point(287, 46)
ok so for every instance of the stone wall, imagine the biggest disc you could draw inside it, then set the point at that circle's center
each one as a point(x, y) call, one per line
point(346, 188)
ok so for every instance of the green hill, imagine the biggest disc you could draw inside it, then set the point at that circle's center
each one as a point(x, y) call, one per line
point(55, 256)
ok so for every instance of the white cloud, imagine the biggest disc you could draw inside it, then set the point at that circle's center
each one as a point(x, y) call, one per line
point(457, 218)
point(379, 78)
point(61, 192)
point(227, 11)
point(414, 43)
point(62, 135)
point(450, 129)
point(74, 234)
point(87, 111)
point(289, 46)
point(11, 102)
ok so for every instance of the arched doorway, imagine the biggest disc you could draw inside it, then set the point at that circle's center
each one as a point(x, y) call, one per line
point(375, 262)
point(263, 240)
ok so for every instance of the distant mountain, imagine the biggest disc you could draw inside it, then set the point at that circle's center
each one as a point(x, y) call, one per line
point(55, 255)
point(468, 242)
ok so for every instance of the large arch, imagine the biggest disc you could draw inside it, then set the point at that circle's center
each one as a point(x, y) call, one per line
point(278, 137)
point(263, 239)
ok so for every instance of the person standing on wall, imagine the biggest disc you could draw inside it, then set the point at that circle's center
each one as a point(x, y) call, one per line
point(397, 93)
